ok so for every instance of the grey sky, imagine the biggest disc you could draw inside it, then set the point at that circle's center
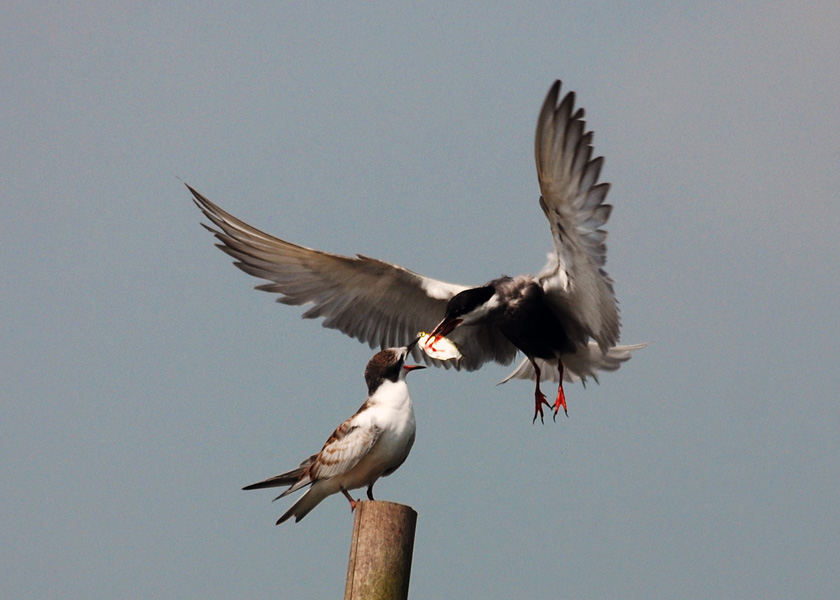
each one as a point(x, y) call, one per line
point(143, 381)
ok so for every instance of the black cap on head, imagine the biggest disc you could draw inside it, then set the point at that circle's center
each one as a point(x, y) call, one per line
point(465, 302)
point(384, 365)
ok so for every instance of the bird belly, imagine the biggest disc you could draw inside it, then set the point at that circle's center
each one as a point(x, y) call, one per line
point(389, 452)
point(535, 330)
point(528, 322)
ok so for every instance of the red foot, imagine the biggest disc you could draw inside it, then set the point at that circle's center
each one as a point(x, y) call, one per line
point(561, 401)
point(539, 400)
point(350, 499)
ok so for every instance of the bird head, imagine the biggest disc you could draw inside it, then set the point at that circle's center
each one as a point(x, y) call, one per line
point(466, 308)
point(389, 365)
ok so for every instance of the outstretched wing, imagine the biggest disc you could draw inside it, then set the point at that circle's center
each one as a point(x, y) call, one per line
point(573, 201)
point(375, 302)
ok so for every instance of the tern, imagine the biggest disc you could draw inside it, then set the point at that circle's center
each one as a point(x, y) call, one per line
point(373, 443)
point(564, 320)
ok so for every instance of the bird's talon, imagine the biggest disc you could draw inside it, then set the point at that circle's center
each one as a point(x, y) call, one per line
point(560, 403)
point(539, 401)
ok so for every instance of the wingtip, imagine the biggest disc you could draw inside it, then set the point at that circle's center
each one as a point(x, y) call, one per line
point(197, 197)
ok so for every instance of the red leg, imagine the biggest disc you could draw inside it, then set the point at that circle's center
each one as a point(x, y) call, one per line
point(353, 503)
point(539, 399)
point(561, 395)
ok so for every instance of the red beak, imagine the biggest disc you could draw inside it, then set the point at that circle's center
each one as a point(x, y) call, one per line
point(445, 327)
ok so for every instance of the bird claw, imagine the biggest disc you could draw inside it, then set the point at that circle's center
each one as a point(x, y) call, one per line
point(561, 401)
point(539, 400)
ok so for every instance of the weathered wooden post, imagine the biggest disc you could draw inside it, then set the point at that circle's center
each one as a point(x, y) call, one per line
point(380, 551)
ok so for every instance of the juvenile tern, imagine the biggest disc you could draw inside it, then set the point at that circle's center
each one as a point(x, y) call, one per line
point(373, 443)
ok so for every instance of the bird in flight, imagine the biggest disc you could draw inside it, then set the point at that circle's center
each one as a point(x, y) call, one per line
point(564, 319)
point(373, 443)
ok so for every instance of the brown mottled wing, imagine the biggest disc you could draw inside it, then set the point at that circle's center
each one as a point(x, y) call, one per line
point(348, 444)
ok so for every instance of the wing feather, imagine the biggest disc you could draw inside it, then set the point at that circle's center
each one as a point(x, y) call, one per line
point(346, 447)
point(573, 202)
point(378, 303)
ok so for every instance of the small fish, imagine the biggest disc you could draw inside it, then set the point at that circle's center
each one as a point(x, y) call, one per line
point(439, 347)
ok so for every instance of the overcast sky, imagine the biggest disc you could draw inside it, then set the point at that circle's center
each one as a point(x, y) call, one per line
point(143, 381)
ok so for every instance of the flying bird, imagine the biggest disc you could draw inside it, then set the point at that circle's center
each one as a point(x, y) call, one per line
point(564, 320)
point(373, 443)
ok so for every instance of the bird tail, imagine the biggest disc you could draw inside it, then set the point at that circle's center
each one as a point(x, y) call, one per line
point(577, 366)
point(305, 503)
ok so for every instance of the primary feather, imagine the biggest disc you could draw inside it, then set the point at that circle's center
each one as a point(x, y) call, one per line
point(385, 305)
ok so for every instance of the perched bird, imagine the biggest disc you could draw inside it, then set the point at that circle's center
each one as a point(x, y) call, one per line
point(564, 320)
point(373, 443)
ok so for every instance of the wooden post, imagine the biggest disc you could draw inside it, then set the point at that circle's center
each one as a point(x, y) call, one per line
point(380, 551)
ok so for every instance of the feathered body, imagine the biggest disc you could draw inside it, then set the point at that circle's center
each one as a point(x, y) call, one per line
point(373, 443)
point(565, 319)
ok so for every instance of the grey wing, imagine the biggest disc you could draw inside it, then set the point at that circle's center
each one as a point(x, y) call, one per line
point(480, 344)
point(573, 201)
point(373, 301)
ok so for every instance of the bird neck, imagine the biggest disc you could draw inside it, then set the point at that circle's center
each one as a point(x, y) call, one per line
point(391, 393)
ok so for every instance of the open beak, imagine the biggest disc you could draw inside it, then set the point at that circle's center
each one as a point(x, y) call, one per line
point(413, 343)
point(408, 353)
